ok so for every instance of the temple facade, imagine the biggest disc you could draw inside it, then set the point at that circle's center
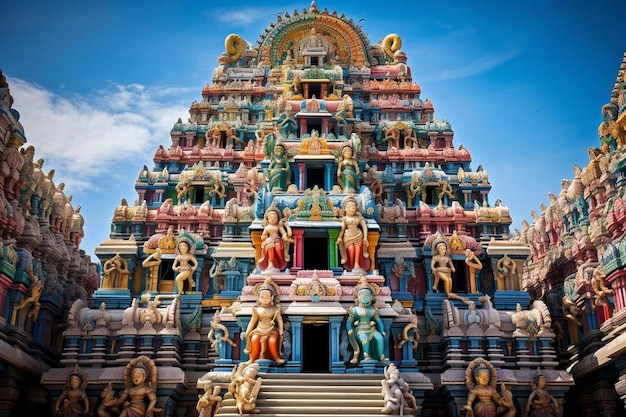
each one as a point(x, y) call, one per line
point(312, 217)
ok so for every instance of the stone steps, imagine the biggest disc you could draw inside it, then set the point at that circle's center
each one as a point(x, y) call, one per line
point(314, 395)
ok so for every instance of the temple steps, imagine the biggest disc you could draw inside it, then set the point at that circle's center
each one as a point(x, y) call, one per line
point(314, 395)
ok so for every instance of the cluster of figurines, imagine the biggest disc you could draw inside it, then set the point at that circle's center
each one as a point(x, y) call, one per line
point(137, 399)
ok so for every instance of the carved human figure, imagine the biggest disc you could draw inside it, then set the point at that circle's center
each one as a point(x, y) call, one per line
point(483, 400)
point(152, 263)
point(30, 304)
point(348, 172)
point(507, 272)
point(366, 332)
point(396, 393)
point(185, 264)
point(275, 239)
point(540, 402)
point(352, 238)
point(473, 264)
point(115, 272)
point(209, 402)
point(442, 269)
point(108, 407)
point(598, 284)
point(73, 402)
point(265, 331)
point(279, 170)
point(245, 386)
point(139, 397)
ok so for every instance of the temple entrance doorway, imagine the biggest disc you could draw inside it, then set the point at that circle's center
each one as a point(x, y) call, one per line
point(315, 347)
point(315, 176)
point(316, 252)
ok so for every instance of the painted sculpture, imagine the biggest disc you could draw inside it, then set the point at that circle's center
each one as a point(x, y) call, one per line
point(73, 402)
point(352, 238)
point(442, 269)
point(265, 332)
point(185, 264)
point(279, 170)
point(139, 397)
point(483, 399)
point(115, 272)
point(366, 332)
point(245, 386)
point(396, 392)
point(275, 241)
point(540, 402)
point(209, 402)
point(348, 173)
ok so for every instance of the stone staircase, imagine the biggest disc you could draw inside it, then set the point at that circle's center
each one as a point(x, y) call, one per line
point(314, 395)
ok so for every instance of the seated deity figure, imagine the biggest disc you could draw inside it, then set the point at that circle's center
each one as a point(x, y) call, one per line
point(352, 238)
point(265, 332)
point(540, 402)
point(483, 399)
point(348, 173)
point(442, 269)
point(366, 332)
point(275, 241)
point(73, 402)
point(139, 397)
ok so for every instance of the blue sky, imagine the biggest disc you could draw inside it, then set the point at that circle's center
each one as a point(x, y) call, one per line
point(99, 84)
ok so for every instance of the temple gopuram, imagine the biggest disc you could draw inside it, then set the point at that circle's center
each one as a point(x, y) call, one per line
point(314, 242)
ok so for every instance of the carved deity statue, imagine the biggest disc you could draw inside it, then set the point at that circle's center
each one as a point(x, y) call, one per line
point(185, 264)
point(352, 238)
point(73, 402)
point(366, 332)
point(115, 272)
point(265, 332)
point(483, 399)
point(245, 386)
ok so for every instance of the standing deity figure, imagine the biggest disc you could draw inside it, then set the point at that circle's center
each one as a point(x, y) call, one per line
point(352, 238)
point(366, 332)
point(348, 172)
point(185, 264)
point(265, 331)
point(73, 402)
point(279, 170)
point(483, 399)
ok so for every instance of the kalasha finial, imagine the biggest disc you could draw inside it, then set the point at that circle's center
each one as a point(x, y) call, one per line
point(313, 7)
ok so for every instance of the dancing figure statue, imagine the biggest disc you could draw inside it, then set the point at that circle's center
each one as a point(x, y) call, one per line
point(279, 170)
point(185, 264)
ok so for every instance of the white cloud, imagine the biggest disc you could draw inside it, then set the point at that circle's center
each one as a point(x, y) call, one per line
point(84, 137)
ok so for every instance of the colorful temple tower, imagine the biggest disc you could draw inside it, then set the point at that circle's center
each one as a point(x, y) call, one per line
point(313, 220)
